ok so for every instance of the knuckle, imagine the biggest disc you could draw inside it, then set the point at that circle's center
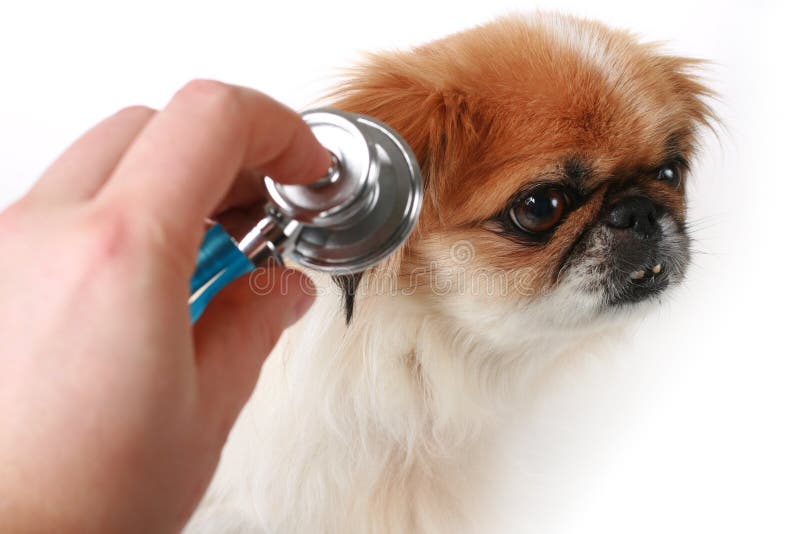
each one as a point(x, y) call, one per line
point(111, 233)
point(216, 95)
point(219, 102)
point(136, 112)
point(205, 86)
point(116, 233)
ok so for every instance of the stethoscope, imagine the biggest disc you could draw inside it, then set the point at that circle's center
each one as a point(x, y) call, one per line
point(351, 219)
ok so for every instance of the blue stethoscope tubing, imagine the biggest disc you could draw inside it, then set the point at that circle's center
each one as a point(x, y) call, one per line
point(219, 262)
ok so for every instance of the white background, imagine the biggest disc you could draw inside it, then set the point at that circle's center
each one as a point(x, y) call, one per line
point(693, 425)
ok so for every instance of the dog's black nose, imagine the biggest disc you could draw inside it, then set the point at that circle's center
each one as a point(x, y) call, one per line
point(635, 213)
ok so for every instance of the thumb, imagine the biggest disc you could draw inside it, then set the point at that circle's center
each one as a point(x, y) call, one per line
point(238, 330)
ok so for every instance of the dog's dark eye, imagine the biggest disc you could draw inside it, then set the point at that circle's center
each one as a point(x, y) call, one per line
point(540, 211)
point(670, 174)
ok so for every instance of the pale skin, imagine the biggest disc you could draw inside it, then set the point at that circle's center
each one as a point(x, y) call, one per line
point(113, 407)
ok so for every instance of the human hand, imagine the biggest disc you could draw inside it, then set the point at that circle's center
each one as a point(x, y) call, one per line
point(113, 409)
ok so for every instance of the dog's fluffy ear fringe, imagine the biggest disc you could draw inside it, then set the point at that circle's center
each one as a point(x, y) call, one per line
point(442, 126)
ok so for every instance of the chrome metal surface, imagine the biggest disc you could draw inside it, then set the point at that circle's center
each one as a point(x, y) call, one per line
point(271, 237)
point(363, 209)
point(339, 200)
point(385, 213)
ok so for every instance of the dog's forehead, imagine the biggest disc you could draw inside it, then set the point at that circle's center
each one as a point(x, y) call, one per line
point(590, 132)
point(586, 148)
point(597, 94)
point(599, 121)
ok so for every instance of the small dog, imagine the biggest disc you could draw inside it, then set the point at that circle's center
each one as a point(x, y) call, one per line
point(554, 152)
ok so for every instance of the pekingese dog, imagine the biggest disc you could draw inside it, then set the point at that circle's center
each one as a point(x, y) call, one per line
point(554, 152)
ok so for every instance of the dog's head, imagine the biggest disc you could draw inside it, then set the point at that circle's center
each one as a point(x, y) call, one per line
point(554, 152)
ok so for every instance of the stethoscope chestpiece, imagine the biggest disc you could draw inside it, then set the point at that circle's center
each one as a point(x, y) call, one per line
point(351, 219)
point(367, 205)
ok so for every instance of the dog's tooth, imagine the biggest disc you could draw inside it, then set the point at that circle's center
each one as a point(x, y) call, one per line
point(656, 269)
point(637, 275)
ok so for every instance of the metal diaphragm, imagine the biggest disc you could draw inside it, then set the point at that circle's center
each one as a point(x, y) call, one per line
point(367, 205)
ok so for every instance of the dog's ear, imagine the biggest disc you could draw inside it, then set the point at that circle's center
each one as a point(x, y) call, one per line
point(441, 124)
point(409, 92)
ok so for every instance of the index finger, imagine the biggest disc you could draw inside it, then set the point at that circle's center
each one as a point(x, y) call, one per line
point(187, 158)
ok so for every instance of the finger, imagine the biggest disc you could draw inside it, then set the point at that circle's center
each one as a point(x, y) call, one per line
point(240, 328)
point(239, 221)
point(189, 155)
point(248, 188)
point(83, 168)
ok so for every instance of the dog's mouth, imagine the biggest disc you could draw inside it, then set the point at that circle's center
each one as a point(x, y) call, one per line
point(640, 284)
point(621, 270)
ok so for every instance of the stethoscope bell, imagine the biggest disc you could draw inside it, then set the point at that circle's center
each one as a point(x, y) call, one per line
point(351, 219)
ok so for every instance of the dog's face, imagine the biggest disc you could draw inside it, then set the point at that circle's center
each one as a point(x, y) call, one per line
point(555, 153)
